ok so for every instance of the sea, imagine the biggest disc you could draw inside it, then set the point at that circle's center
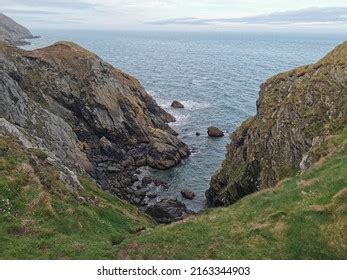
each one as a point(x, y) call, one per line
point(216, 76)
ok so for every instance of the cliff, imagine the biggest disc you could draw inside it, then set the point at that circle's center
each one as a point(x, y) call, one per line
point(296, 111)
point(12, 32)
point(86, 115)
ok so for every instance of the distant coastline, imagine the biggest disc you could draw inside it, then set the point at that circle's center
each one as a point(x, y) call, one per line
point(14, 33)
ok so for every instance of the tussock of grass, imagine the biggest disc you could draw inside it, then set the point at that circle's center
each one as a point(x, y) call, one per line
point(305, 217)
point(41, 219)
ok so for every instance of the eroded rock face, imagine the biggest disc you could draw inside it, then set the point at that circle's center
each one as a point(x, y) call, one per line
point(295, 111)
point(86, 114)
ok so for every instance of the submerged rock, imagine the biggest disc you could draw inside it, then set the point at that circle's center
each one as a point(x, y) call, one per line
point(295, 111)
point(214, 132)
point(167, 211)
point(176, 104)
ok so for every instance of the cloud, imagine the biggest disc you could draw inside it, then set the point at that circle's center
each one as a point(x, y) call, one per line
point(28, 12)
point(60, 4)
point(310, 15)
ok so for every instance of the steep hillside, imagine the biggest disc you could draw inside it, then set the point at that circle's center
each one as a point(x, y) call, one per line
point(304, 217)
point(86, 115)
point(48, 213)
point(12, 32)
point(296, 111)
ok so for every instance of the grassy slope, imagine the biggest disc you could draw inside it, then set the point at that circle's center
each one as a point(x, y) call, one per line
point(305, 217)
point(41, 219)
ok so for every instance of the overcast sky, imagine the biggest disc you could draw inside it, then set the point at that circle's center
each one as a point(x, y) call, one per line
point(179, 14)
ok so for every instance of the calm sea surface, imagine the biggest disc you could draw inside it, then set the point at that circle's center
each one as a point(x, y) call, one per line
point(215, 75)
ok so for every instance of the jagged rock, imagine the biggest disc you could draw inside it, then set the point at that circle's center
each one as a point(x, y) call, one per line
point(7, 128)
point(147, 180)
point(295, 111)
point(188, 194)
point(214, 132)
point(177, 105)
point(89, 116)
point(152, 195)
point(167, 210)
point(105, 145)
point(114, 168)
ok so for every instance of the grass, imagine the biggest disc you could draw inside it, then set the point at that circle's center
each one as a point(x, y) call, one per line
point(304, 217)
point(41, 219)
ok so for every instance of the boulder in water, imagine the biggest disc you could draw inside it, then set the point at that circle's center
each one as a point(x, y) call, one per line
point(214, 132)
point(177, 105)
point(188, 194)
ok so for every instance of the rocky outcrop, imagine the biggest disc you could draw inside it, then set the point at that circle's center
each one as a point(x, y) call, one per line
point(188, 194)
point(87, 115)
point(167, 210)
point(295, 112)
point(214, 132)
point(12, 32)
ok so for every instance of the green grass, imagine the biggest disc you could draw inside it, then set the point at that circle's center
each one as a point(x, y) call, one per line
point(304, 217)
point(41, 219)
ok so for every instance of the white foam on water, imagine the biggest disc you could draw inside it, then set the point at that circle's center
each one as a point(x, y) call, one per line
point(181, 119)
point(193, 105)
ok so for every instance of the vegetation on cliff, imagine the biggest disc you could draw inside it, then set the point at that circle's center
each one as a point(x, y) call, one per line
point(43, 217)
point(296, 111)
point(304, 217)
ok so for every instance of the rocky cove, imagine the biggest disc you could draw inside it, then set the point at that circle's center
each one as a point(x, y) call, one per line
point(101, 121)
point(91, 118)
point(90, 162)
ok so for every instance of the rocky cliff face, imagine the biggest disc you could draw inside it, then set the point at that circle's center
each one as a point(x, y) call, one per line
point(295, 112)
point(85, 114)
point(12, 32)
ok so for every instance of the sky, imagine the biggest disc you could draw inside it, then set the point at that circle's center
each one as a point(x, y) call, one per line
point(191, 15)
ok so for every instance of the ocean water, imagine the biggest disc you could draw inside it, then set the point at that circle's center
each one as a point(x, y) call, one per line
point(215, 75)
